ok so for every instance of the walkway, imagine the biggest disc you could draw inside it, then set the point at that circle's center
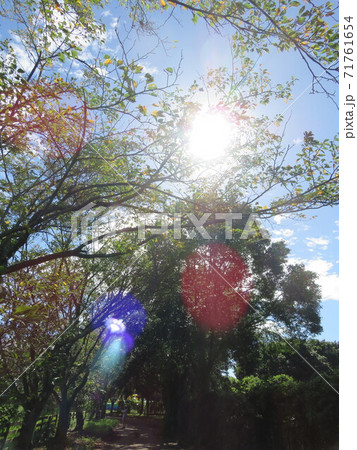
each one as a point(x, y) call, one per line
point(140, 433)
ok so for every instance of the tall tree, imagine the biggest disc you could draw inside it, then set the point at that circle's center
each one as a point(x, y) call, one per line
point(189, 355)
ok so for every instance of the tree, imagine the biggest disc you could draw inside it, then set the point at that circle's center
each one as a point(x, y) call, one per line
point(44, 117)
point(188, 357)
point(274, 357)
point(271, 412)
point(101, 124)
point(309, 30)
point(63, 312)
point(72, 378)
point(37, 308)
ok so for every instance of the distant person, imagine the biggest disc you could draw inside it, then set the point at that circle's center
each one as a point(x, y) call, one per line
point(124, 414)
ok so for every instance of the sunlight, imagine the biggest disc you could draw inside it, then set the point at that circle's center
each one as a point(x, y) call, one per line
point(210, 135)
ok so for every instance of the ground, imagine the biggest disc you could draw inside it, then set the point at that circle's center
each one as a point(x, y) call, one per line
point(141, 433)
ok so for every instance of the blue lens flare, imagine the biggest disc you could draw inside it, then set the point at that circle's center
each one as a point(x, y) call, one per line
point(125, 321)
point(113, 354)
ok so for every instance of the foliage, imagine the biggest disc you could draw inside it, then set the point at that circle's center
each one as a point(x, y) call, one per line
point(33, 308)
point(100, 427)
point(183, 362)
point(306, 27)
point(275, 410)
point(97, 142)
point(274, 357)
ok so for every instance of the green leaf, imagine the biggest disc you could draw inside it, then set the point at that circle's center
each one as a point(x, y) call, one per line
point(149, 77)
point(23, 309)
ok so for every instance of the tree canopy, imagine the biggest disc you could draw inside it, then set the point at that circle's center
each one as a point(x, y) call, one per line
point(96, 141)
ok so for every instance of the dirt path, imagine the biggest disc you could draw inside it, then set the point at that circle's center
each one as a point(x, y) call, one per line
point(140, 433)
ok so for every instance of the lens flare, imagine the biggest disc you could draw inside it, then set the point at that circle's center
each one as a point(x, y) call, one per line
point(113, 354)
point(125, 314)
point(127, 320)
point(216, 286)
point(115, 325)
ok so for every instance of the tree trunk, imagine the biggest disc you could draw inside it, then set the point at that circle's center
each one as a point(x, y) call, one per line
point(79, 420)
point(63, 422)
point(24, 439)
point(103, 410)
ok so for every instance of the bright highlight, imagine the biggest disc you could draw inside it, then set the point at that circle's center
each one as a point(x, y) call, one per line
point(210, 135)
point(115, 325)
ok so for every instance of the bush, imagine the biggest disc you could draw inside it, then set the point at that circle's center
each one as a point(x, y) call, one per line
point(100, 427)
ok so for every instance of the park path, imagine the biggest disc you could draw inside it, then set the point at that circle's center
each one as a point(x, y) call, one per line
point(140, 433)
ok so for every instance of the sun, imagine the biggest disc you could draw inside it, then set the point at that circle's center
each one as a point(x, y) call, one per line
point(210, 135)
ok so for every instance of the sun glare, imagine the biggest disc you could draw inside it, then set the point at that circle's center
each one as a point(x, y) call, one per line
point(210, 135)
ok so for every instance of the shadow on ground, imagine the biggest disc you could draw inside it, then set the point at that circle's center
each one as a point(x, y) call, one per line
point(141, 433)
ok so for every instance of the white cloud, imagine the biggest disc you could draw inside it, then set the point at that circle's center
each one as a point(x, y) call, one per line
point(320, 242)
point(285, 232)
point(23, 58)
point(337, 223)
point(328, 280)
point(273, 327)
point(149, 69)
point(114, 22)
point(78, 35)
point(102, 71)
point(320, 266)
point(297, 141)
point(278, 219)
point(77, 73)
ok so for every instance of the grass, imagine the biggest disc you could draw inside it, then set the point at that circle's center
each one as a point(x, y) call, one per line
point(82, 443)
point(100, 427)
point(91, 434)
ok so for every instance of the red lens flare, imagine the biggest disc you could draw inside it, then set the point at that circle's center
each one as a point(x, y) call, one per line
point(216, 286)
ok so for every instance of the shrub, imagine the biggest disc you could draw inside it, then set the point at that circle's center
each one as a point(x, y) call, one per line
point(100, 427)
